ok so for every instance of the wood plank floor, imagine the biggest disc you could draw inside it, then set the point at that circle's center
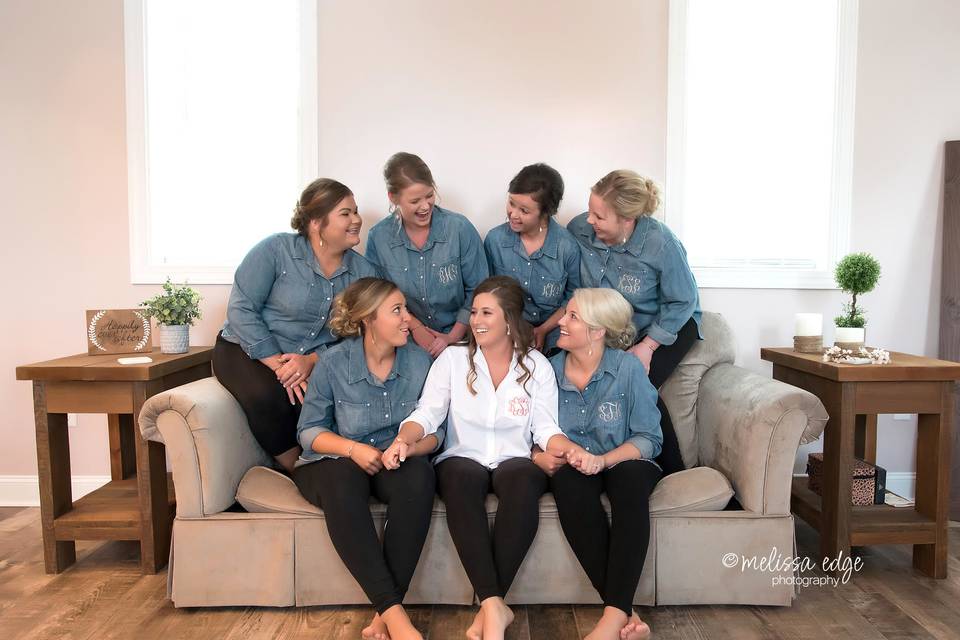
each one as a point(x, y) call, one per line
point(104, 596)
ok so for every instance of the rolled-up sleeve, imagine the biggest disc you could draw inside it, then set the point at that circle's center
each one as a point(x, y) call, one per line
point(644, 432)
point(316, 417)
point(678, 294)
point(252, 283)
point(544, 419)
point(473, 267)
point(431, 411)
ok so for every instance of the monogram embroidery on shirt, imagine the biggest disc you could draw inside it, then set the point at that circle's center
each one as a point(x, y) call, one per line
point(609, 411)
point(551, 289)
point(519, 406)
point(630, 283)
point(447, 274)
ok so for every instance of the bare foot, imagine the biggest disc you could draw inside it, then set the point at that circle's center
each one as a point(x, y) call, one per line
point(635, 629)
point(609, 625)
point(475, 630)
point(399, 625)
point(376, 630)
point(497, 616)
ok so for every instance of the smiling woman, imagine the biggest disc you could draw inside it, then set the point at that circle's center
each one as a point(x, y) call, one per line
point(277, 317)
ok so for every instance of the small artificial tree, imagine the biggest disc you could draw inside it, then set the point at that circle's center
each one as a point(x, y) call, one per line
point(175, 306)
point(856, 274)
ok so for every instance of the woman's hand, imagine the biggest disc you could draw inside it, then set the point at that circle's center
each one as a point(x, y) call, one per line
point(644, 353)
point(295, 368)
point(424, 336)
point(366, 457)
point(440, 342)
point(395, 454)
point(547, 462)
point(585, 462)
point(539, 336)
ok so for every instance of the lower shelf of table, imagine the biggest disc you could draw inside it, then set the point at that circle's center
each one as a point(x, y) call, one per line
point(873, 524)
point(111, 512)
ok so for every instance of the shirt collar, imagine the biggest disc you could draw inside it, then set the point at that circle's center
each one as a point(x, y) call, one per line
point(358, 370)
point(609, 363)
point(303, 251)
point(633, 245)
point(550, 243)
point(438, 231)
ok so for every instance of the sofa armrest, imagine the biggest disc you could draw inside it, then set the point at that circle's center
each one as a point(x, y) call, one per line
point(208, 442)
point(749, 427)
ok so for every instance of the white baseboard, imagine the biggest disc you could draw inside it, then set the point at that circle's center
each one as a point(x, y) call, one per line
point(24, 491)
point(902, 483)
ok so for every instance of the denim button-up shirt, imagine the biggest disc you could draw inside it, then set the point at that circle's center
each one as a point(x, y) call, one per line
point(549, 276)
point(651, 271)
point(343, 397)
point(280, 301)
point(437, 280)
point(618, 405)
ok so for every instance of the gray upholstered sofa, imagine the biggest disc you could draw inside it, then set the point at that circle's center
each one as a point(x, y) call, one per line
point(738, 431)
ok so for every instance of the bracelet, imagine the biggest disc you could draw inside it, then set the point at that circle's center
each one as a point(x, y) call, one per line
point(350, 450)
point(644, 344)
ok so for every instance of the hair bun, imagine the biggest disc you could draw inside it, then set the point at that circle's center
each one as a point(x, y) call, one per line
point(653, 201)
point(340, 322)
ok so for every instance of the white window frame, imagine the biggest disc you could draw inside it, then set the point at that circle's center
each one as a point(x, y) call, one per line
point(143, 268)
point(753, 275)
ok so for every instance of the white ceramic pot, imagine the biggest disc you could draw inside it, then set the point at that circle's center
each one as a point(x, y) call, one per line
point(849, 337)
point(174, 338)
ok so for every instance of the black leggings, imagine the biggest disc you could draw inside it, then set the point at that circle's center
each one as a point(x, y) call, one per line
point(272, 419)
point(491, 563)
point(611, 555)
point(665, 360)
point(343, 490)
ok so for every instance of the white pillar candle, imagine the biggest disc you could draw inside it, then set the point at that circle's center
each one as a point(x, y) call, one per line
point(809, 324)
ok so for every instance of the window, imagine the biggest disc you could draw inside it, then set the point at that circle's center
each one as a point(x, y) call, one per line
point(760, 138)
point(221, 129)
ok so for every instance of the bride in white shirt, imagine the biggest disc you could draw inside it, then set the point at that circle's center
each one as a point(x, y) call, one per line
point(499, 397)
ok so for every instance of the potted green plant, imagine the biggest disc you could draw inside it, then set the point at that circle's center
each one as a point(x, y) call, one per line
point(174, 310)
point(856, 274)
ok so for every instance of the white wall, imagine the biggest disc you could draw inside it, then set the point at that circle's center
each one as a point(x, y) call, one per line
point(478, 92)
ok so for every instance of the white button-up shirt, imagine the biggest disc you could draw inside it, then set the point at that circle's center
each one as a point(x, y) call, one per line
point(495, 424)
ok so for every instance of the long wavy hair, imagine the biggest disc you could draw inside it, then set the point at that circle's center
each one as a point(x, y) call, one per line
point(509, 296)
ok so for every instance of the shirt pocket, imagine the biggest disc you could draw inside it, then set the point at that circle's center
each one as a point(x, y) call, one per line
point(290, 293)
point(634, 283)
point(354, 419)
point(610, 421)
point(445, 274)
point(401, 409)
point(549, 290)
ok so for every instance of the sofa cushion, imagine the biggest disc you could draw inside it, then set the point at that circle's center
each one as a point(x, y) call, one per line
point(697, 489)
point(264, 490)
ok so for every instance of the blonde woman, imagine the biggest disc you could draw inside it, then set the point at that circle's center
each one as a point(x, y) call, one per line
point(624, 248)
point(354, 448)
point(608, 407)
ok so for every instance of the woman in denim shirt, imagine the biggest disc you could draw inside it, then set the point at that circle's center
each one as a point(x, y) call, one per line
point(353, 447)
point(435, 256)
point(531, 247)
point(624, 248)
point(609, 407)
point(277, 315)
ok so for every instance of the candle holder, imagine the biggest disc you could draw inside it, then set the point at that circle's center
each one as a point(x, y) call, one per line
point(808, 344)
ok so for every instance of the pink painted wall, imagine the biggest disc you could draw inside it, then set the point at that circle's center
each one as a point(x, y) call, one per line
point(478, 92)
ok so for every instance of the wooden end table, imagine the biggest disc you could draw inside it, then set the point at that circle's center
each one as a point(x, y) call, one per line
point(853, 395)
point(138, 503)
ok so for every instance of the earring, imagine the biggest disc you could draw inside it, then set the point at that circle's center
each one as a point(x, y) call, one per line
point(540, 229)
point(321, 241)
point(392, 209)
point(508, 329)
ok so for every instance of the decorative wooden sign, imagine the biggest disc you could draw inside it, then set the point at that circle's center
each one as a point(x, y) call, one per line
point(118, 331)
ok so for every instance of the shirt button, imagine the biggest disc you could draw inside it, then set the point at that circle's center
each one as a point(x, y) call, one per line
point(524, 282)
point(328, 297)
point(311, 284)
point(386, 415)
point(421, 257)
point(588, 448)
point(371, 440)
point(583, 410)
point(301, 348)
point(311, 333)
point(423, 299)
point(384, 393)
